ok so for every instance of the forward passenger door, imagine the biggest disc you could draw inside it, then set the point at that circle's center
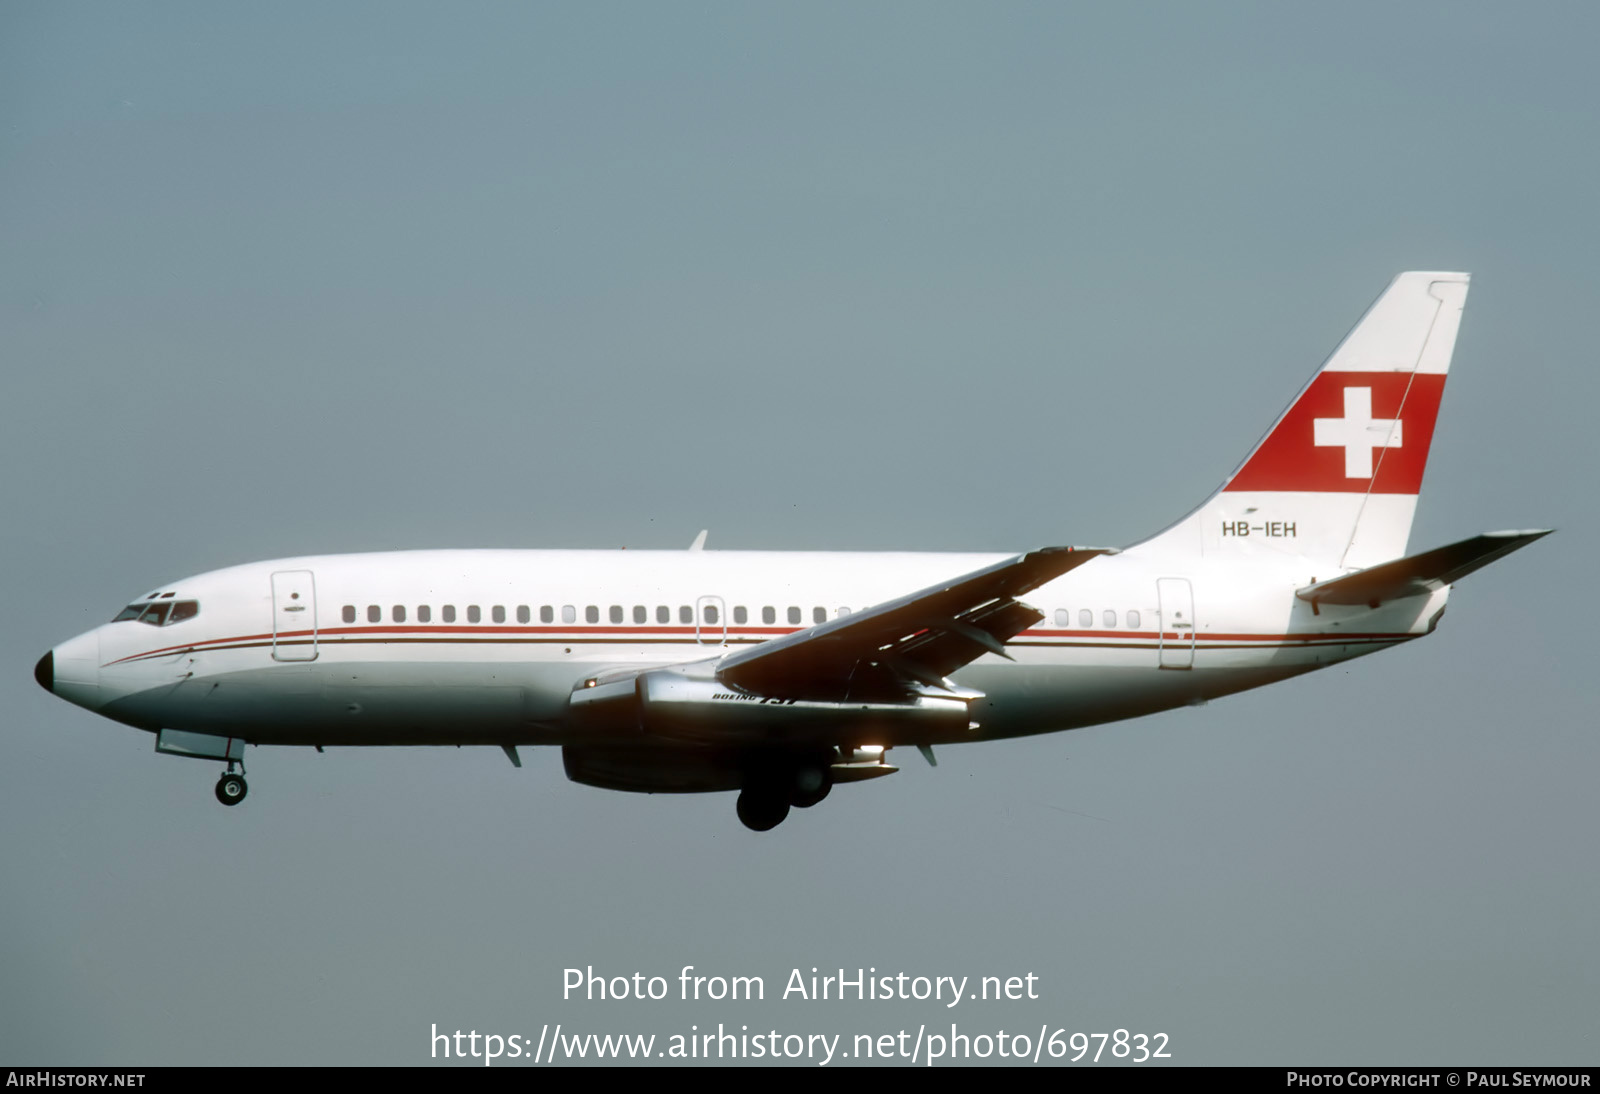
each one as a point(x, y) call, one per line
point(294, 616)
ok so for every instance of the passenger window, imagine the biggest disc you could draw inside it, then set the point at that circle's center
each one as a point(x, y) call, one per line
point(1085, 617)
point(474, 613)
point(424, 614)
point(448, 613)
point(843, 612)
point(740, 615)
point(1110, 617)
point(819, 615)
point(1063, 617)
point(711, 613)
point(616, 613)
point(399, 613)
point(1133, 619)
point(641, 614)
point(498, 613)
point(569, 614)
point(183, 609)
point(794, 616)
point(591, 614)
point(769, 615)
point(547, 613)
point(685, 614)
point(349, 613)
point(523, 614)
point(374, 614)
point(663, 614)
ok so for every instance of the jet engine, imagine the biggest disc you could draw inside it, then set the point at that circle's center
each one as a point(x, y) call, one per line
point(682, 707)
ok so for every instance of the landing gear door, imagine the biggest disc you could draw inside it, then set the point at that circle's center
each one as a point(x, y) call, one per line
point(294, 616)
point(1177, 622)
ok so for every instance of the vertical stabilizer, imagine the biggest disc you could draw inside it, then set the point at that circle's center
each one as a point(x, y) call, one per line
point(1335, 480)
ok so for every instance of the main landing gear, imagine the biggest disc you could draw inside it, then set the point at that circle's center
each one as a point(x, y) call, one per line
point(232, 788)
point(771, 789)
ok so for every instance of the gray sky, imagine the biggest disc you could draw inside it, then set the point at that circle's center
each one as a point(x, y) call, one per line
point(281, 279)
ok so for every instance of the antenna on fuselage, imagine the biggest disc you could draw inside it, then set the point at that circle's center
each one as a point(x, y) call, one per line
point(699, 543)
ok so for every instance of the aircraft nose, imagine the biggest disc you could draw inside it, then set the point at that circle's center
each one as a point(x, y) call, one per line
point(72, 671)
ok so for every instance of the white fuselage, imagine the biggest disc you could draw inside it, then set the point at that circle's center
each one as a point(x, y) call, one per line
point(485, 647)
point(647, 669)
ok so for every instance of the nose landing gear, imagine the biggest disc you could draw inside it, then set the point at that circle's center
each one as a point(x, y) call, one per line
point(232, 788)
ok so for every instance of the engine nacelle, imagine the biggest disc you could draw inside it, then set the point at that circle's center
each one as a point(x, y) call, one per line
point(651, 771)
point(677, 706)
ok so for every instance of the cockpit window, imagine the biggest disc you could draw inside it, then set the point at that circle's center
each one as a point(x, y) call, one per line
point(163, 613)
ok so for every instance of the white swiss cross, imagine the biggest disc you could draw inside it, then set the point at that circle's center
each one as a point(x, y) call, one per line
point(1358, 432)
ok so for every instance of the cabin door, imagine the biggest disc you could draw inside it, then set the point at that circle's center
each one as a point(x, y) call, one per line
point(1177, 622)
point(294, 616)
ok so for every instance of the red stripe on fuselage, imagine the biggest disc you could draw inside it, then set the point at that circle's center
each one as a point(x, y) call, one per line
point(686, 636)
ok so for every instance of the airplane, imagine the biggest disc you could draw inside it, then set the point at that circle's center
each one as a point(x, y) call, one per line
point(782, 674)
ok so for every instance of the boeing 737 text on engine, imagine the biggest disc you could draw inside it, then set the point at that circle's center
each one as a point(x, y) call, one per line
point(779, 675)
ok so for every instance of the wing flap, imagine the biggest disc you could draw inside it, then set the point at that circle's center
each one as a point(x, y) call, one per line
point(944, 649)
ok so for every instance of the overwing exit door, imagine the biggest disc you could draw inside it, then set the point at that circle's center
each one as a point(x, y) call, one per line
point(710, 621)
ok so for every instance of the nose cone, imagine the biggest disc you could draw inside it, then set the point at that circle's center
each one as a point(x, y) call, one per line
point(72, 670)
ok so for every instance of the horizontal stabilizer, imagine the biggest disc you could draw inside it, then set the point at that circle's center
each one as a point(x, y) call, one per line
point(1418, 575)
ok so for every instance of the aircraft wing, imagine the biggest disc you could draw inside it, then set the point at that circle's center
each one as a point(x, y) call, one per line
point(894, 647)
